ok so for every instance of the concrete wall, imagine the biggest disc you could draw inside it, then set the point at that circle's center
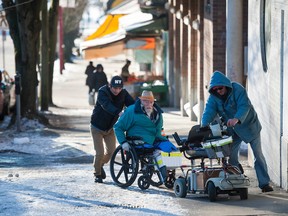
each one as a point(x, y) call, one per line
point(267, 90)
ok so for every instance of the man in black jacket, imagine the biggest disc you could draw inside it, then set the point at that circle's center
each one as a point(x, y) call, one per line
point(109, 105)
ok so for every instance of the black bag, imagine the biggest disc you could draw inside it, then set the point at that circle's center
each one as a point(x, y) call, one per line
point(199, 134)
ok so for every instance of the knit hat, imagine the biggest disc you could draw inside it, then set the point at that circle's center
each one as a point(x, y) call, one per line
point(147, 95)
point(116, 81)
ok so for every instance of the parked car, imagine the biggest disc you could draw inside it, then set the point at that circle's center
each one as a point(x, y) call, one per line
point(6, 84)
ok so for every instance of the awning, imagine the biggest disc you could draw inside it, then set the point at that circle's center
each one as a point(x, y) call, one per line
point(106, 40)
point(104, 52)
point(109, 26)
point(140, 43)
point(148, 28)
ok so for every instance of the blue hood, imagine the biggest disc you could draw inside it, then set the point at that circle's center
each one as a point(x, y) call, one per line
point(219, 79)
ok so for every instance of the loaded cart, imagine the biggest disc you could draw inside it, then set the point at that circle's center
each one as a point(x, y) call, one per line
point(211, 145)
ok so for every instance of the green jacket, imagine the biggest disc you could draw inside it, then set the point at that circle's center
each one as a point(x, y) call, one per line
point(134, 122)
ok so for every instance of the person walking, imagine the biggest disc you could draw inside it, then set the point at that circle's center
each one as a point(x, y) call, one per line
point(230, 101)
point(111, 100)
point(125, 71)
point(89, 79)
point(99, 78)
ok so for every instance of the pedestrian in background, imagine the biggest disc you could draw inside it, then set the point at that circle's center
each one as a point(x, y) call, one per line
point(99, 78)
point(111, 100)
point(89, 72)
point(125, 71)
point(230, 101)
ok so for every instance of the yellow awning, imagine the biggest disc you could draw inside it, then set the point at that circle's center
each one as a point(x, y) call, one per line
point(110, 25)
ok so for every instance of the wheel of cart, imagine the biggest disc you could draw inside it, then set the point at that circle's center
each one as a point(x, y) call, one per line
point(125, 166)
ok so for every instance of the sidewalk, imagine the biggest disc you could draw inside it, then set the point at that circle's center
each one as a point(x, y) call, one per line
point(173, 121)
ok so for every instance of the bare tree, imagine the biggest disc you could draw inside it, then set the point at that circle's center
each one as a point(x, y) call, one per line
point(23, 18)
point(71, 20)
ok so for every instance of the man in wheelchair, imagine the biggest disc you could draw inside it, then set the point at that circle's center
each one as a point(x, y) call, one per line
point(144, 119)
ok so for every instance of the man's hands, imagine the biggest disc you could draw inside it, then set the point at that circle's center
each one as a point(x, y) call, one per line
point(125, 146)
point(232, 122)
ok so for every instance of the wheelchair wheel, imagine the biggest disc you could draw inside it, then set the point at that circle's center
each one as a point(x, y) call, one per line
point(124, 167)
point(169, 183)
point(143, 182)
point(155, 178)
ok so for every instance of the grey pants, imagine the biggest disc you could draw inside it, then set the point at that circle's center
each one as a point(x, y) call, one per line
point(103, 151)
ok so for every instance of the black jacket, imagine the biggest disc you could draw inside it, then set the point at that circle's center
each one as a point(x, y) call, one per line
point(108, 107)
point(99, 79)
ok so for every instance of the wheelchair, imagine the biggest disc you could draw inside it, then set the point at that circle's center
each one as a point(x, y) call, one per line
point(125, 167)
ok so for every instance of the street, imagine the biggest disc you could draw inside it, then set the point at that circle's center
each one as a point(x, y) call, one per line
point(52, 173)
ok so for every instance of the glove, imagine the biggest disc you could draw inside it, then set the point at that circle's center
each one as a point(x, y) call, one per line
point(125, 146)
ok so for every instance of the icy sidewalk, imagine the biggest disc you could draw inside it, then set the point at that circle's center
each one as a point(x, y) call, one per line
point(70, 190)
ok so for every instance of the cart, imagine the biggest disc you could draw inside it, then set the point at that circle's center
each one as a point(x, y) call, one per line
point(212, 145)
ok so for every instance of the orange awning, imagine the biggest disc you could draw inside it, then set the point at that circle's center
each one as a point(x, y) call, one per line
point(104, 52)
point(150, 44)
point(141, 43)
point(110, 25)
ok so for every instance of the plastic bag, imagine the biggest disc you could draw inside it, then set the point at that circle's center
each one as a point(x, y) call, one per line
point(91, 98)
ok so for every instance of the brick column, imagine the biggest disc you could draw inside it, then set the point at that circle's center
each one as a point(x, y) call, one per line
point(234, 42)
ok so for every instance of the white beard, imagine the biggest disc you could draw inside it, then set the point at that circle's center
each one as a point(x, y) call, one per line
point(149, 112)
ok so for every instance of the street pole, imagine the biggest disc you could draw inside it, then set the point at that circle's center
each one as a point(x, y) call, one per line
point(3, 46)
point(61, 57)
point(63, 4)
point(17, 79)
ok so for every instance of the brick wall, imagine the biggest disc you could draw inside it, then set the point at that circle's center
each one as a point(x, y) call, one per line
point(219, 35)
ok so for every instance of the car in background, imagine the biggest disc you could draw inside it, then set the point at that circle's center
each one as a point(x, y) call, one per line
point(6, 84)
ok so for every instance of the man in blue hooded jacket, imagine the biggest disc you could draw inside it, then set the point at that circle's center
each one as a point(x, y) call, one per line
point(230, 101)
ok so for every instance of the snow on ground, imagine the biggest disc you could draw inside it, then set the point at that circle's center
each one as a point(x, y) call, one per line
point(69, 189)
point(52, 190)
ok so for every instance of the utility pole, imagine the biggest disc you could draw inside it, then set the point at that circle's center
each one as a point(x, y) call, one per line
point(3, 46)
point(3, 27)
point(63, 4)
point(61, 45)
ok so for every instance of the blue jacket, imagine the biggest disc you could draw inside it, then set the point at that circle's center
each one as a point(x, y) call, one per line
point(235, 105)
point(135, 123)
point(108, 106)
